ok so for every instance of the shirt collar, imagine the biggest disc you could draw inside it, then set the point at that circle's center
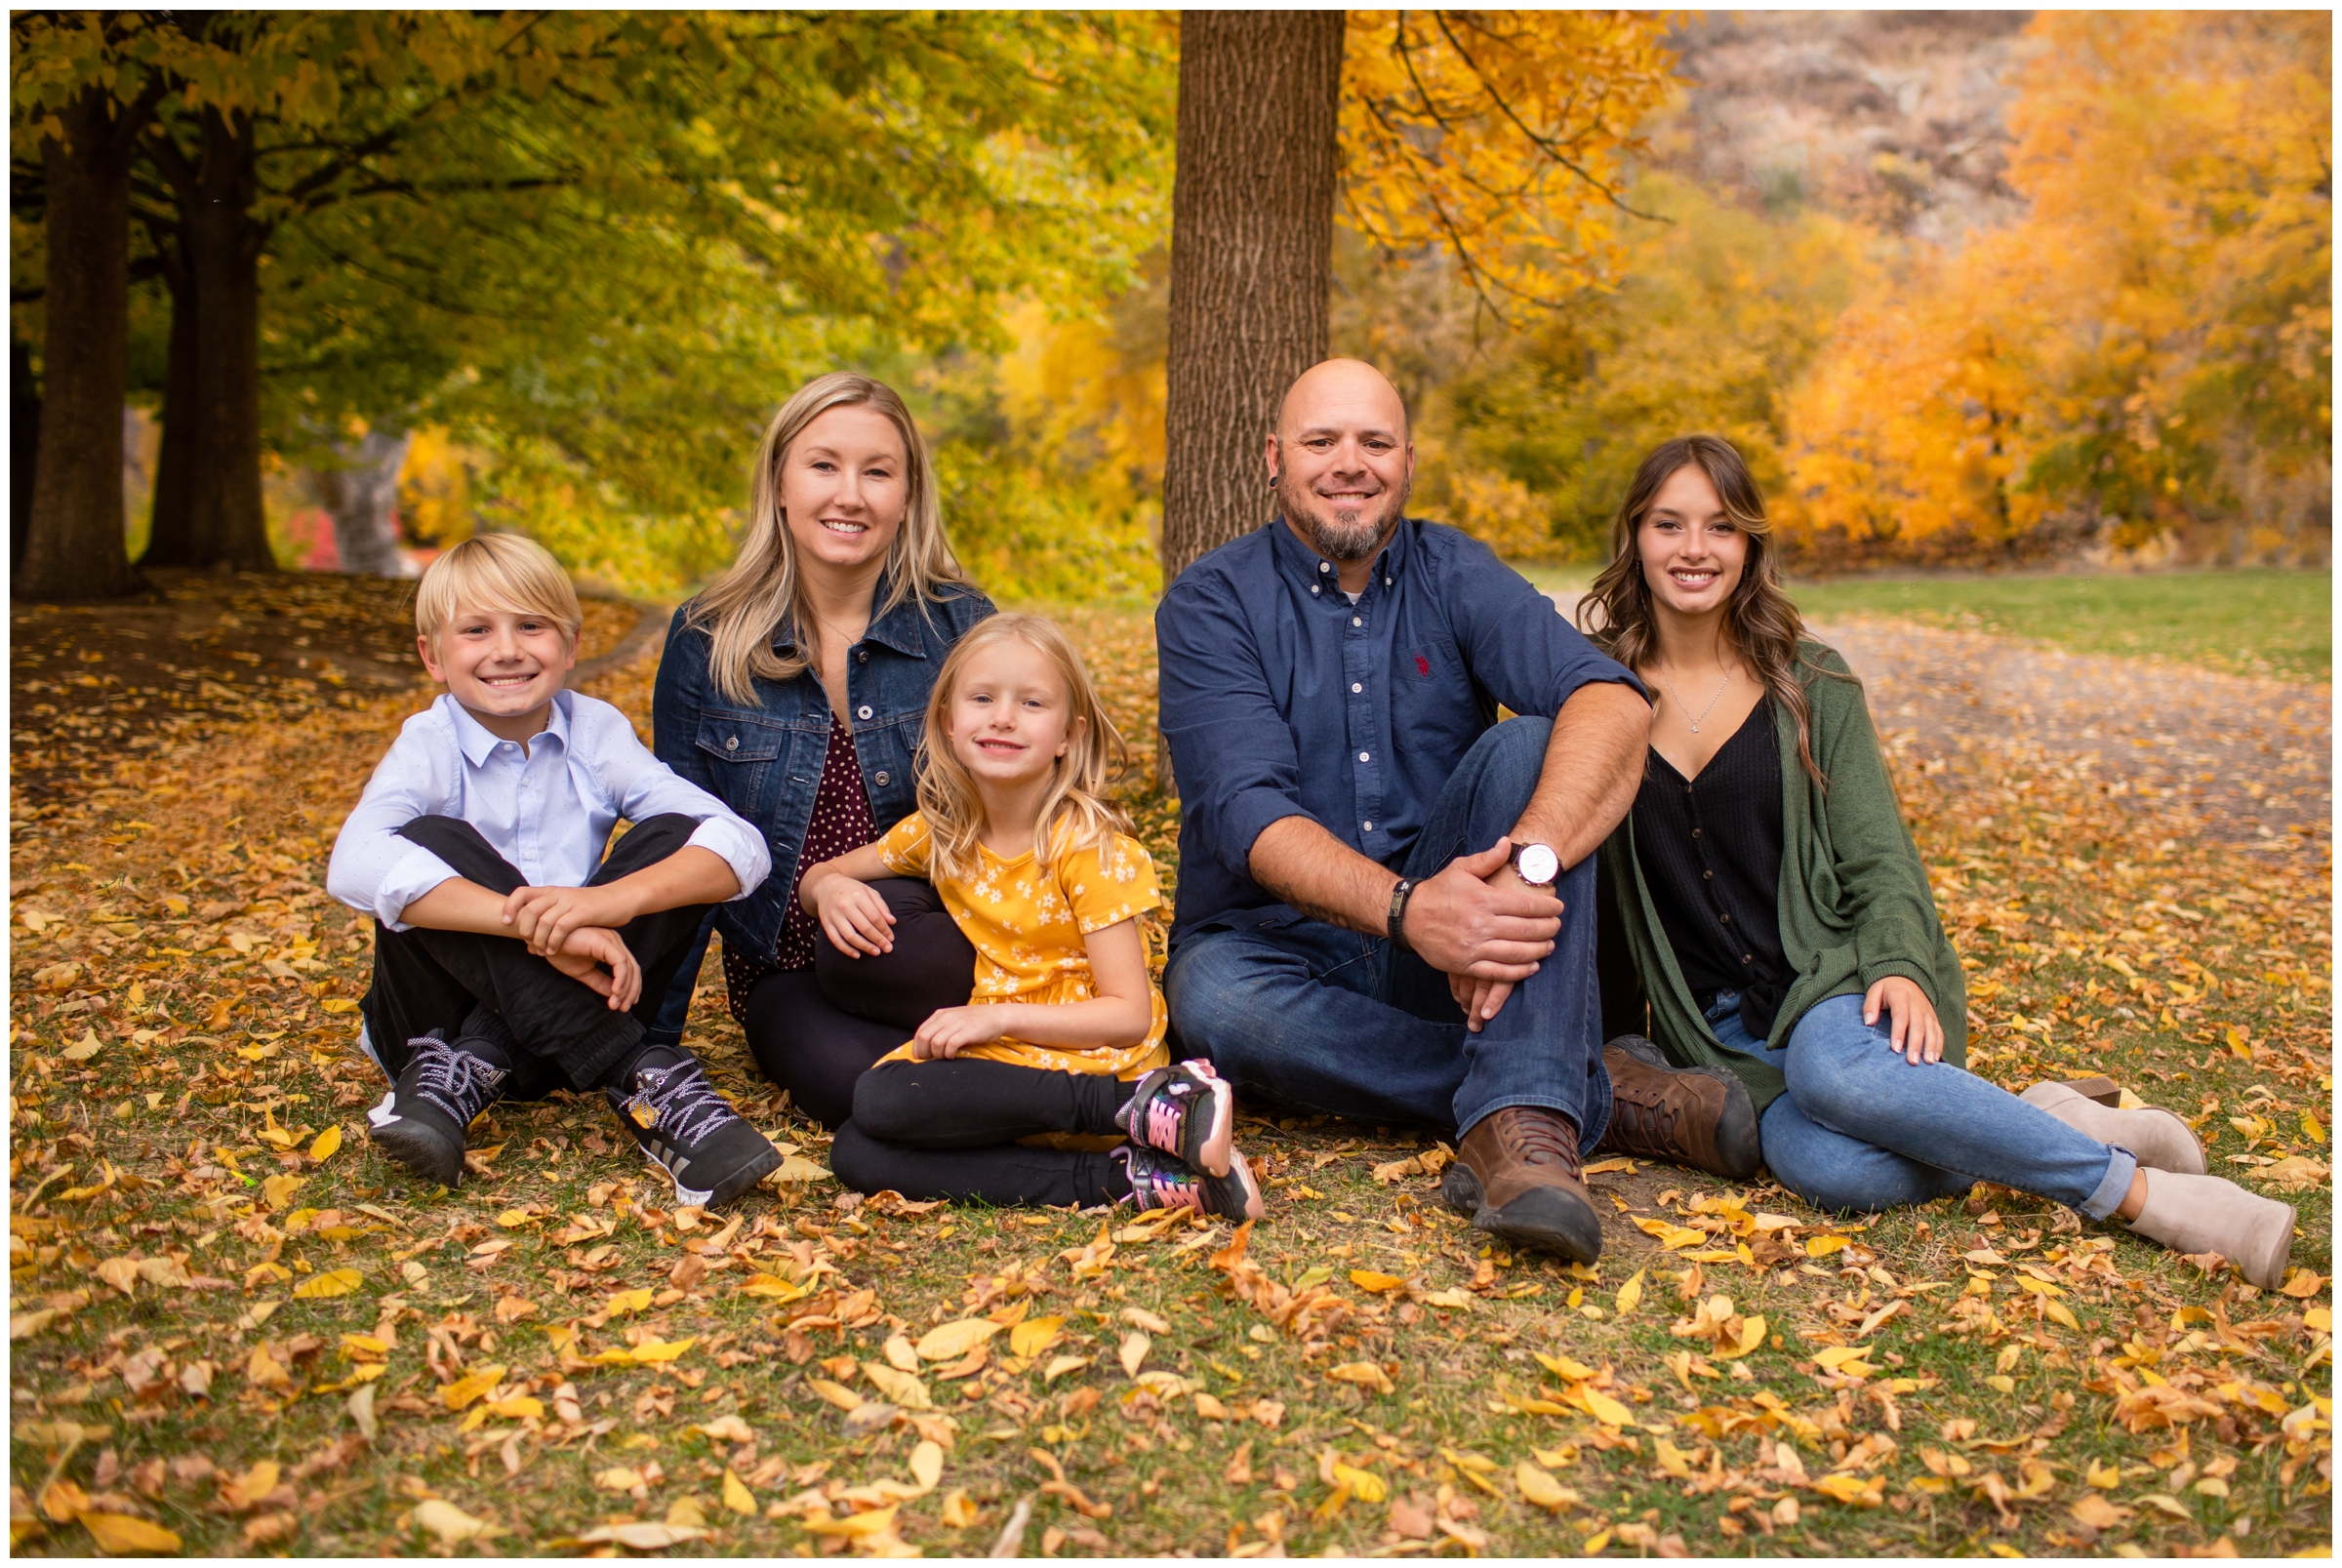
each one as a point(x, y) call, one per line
point(479, 743)
point(1309, 566)
point(901, 628)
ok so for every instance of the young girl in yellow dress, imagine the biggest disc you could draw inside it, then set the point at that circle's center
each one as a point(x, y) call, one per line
point(1053, 1085)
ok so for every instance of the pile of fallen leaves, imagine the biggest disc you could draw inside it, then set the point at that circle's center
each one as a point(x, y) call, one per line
point(236, 1328)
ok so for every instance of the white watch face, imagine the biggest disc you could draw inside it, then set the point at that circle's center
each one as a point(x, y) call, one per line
point(1537, 863)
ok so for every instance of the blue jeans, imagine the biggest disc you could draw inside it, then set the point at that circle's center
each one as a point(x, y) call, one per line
point(1320, 1018)
point(1850, 1134)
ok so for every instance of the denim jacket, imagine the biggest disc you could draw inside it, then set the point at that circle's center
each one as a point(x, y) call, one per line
point(764, 758)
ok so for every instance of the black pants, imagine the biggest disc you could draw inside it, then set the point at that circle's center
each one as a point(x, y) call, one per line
point(814, 1032)
point(426, 979)
point(947, 1130)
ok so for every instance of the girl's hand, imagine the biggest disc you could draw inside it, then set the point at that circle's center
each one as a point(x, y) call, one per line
point(950, 1030)
point(855, 918)
point(1917, 1034)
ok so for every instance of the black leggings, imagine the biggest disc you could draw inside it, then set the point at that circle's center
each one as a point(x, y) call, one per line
point(814, 1032)
point(947, 1130)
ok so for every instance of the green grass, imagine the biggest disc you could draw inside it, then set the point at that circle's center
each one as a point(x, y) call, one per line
point(2248, 622)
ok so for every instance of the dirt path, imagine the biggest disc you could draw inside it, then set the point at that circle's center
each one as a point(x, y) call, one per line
point(2252, 759)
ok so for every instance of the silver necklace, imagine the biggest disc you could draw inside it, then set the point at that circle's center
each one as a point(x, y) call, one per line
point(1705, 712)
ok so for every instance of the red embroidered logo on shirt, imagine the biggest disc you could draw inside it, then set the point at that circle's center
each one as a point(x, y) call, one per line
point(1422, 666)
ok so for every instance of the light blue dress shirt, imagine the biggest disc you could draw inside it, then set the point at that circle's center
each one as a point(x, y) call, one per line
point(547, 808)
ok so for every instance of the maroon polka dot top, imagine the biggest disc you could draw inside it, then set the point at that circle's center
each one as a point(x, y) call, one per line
point(841, 820)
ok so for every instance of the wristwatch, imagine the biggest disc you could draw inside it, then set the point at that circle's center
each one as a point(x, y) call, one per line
point(1536, 864)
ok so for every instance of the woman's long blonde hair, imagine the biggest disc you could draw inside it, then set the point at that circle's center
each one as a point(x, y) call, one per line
point(1763, 626)
point(742, 609)
point(1075, 814)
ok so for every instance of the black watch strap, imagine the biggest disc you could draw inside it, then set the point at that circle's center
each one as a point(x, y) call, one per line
point(1396, 925)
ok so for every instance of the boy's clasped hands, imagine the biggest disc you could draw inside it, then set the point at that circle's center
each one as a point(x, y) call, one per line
point(576, 929)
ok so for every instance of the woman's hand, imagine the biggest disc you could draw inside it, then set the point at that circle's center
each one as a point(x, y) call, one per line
point(853, 915)
point(1917, 1034)
point(950, 1030)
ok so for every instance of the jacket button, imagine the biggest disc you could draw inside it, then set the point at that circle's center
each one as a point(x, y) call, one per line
point(863, 657)
point(731, 743)
point(863, 712)
point(882, 778)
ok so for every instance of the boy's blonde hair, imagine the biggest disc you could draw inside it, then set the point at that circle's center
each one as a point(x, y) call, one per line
point(497, 572)
point(1075, 814)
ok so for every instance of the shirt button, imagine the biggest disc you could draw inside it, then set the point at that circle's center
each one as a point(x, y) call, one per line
point(1748, 958)
point(1314, 588)
point(863, 712)
point(731, 743)
point(1361, 756)
point(1324, 566)
point(1370, 827)
point(882, 778)
point(1704, 876)
point(1695, 832)
point(1728, 919)
point(1357, 687)
point(1355, 621)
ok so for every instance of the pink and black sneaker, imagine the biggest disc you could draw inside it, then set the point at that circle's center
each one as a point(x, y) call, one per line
point(1185, 1110)
point(1160, 1181)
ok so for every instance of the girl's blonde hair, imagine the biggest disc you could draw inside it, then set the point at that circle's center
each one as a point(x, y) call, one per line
point(1075, 815)
point(763, 588)
point(497, 572)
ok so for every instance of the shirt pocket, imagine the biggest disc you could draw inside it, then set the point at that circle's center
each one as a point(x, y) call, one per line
point(748, 748)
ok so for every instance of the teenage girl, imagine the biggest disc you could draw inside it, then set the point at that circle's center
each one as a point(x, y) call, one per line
point(1052, 1085)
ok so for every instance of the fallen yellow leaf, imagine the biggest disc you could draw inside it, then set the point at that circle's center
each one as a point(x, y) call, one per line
point(327, 1143)
point(948, 1341)
point(121, 1534)
point(1035, 1335)
point(736, 1496)
point(1364, 1485)
point(462, 1392)
point(1629, 1294)
point(333, 1282)
point(1367, 1279)
point(1538, 1485)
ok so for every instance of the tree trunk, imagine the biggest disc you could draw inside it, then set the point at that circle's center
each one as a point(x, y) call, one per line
point(73, 546)
point(24, 445)
point(171, 538)
point(1252, 235)
point(363, 500)
point(223, 258)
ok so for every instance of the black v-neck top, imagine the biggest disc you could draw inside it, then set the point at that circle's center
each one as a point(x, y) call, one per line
point(1711, 854)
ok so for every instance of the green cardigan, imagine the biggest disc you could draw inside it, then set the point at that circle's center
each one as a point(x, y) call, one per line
point(1854, 905)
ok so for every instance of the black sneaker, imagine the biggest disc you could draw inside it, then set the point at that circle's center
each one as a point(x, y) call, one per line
point(423, 1121)
point(692, 1133)
point(1160, 1181)
point(1186, 1110)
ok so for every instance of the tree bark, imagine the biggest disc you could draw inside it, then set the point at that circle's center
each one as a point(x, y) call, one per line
point(362, 499)
point(226, 526)
point(1252, 233)
point(74, 546)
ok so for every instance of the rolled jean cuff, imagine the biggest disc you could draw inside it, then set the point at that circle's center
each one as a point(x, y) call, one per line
point(2120, 1166)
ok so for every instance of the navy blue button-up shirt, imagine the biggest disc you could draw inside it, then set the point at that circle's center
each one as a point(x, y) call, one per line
point(1281, 698)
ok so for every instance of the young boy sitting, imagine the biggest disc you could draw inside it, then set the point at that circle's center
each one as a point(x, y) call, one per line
point(507, 959)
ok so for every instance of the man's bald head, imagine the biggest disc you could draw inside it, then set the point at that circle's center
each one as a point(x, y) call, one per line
point(1346, 391)
point(1341, 462)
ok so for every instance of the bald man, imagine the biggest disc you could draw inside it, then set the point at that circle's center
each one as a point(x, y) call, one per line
point(1387, 898)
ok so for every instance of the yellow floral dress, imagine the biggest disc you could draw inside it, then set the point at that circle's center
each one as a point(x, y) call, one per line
point(1028, 926)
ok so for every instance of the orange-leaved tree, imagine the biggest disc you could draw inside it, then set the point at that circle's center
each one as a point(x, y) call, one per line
point(2151, 344)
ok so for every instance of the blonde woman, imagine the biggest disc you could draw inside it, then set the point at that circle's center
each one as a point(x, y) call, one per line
point(793, 690)
point(1780, 922)
point(1061, 1041)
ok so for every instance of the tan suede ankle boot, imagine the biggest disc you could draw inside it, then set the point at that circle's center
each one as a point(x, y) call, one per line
point(2211, 1214)
point(2159, 1139)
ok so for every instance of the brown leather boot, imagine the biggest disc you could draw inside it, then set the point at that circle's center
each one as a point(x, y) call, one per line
point(1516, 1176)
point(1696, 1116)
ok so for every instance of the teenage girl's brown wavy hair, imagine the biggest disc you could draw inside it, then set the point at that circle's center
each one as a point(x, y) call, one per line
point(1760, 620)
